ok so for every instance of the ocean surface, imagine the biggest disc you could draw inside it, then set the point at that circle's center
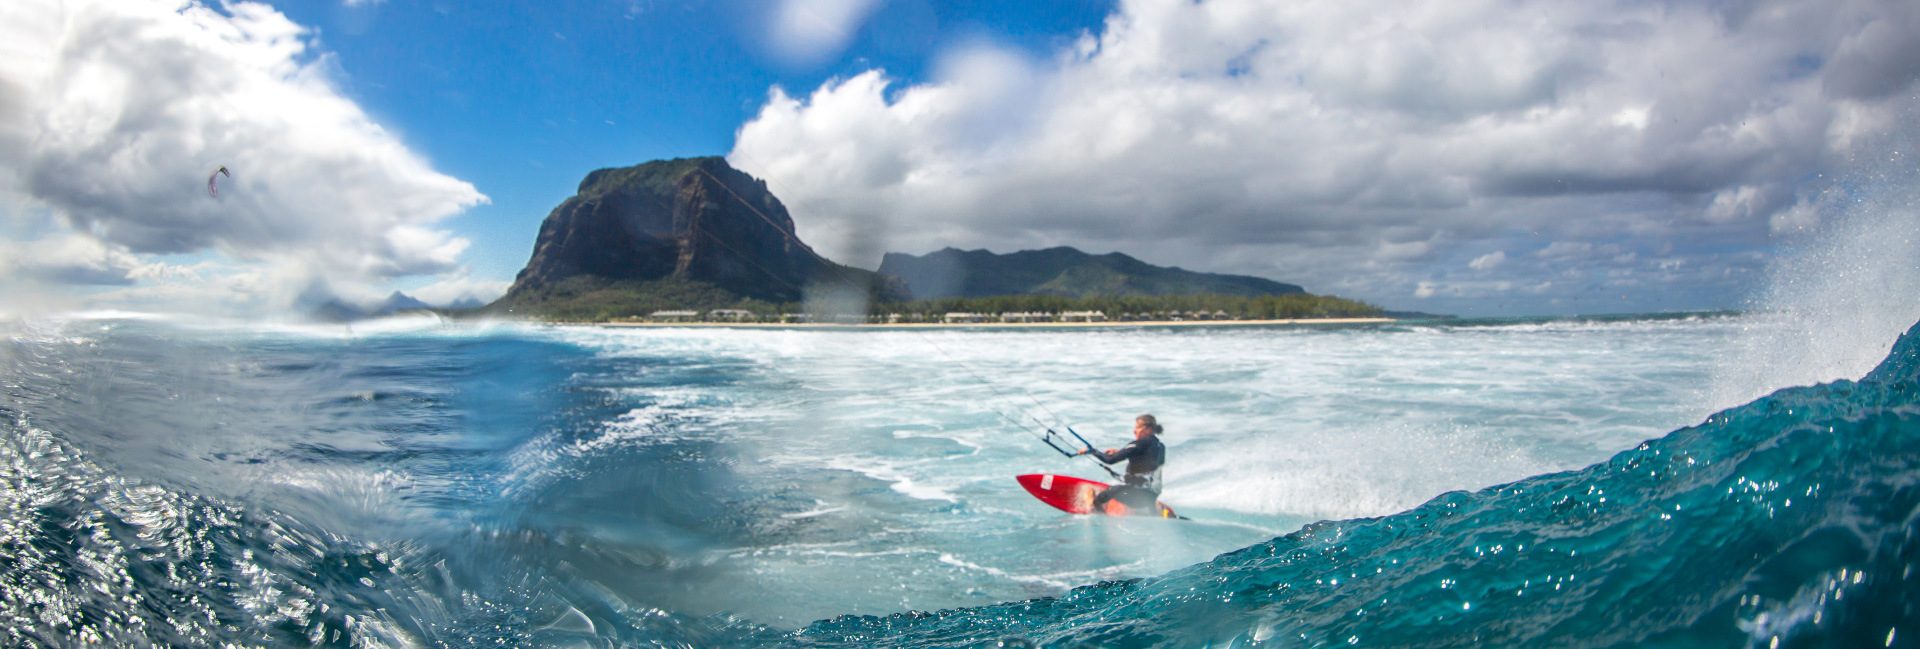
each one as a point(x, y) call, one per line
point(1626, 481)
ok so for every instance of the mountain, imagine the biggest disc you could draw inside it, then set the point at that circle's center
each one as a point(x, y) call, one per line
point(338, 310)
point(697, 224)
point(399, 302)
point(466, 302)
point(1062, 271)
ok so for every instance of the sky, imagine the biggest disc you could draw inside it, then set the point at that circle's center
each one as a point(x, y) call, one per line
point(1480, 158)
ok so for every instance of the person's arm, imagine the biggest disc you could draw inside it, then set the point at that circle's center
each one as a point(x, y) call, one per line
point(1125, 452)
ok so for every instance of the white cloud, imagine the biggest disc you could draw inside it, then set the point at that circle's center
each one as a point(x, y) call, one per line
point(806, 31)
point(1804, 216)
point(1566, 251)
point(1488, 261)
point(1347, 146)
point(1403, 251)
point(113, 113)
point(69, 259)
point(1635, 118)
point(1878, 58)
point(1736, 203)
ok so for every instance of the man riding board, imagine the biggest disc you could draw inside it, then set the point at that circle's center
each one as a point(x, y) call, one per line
point(1140, 488)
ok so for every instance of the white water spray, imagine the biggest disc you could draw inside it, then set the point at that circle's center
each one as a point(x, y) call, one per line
point(1833, 306)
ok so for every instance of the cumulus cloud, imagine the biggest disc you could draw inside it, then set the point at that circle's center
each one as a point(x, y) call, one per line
point(113, 113)
point(1879, 58)
point(807, 31)
point(1488, 261)
point(1363, 149)
point(1743, 202)
point(70, 259)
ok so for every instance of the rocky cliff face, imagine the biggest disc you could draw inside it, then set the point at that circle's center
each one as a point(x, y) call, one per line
point(691, 218)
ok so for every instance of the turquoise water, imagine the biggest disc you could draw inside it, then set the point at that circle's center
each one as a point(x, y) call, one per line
point(414, 483)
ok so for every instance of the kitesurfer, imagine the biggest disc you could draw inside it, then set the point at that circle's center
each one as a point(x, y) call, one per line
point(1140, 488)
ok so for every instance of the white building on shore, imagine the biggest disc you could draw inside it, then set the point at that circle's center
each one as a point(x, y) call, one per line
point(673, 315)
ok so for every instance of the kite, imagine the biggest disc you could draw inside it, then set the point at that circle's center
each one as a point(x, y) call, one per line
point(212, 189)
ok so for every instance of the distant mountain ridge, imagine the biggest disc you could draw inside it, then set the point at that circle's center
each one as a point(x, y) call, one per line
point(338, 310)
point(1061, 271)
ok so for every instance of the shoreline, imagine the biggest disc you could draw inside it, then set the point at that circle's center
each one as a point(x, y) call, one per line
point(988, 325)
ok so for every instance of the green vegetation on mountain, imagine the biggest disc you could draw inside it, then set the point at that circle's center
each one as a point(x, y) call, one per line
point(591, 298)
point(1240, 307)
point(596, 299)
point(1060, 271)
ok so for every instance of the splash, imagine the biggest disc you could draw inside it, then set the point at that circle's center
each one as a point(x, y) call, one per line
point(1832, 303)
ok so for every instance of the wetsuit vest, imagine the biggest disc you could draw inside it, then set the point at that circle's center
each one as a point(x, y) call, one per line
point(1144, 457)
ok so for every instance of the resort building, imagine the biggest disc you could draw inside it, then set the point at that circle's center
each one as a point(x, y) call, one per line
point(730, 315)
point(1083, 316)
point(673, 316)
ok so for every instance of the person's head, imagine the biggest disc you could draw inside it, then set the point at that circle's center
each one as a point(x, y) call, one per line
point(1145, 425)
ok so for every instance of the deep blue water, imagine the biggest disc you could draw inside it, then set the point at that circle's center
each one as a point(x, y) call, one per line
point(495, 485)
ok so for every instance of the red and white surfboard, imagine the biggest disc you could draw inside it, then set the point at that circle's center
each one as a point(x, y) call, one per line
point(1075, 495)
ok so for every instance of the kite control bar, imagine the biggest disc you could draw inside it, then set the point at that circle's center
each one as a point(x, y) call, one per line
point(1051, 433)
point(1083, 440)
point(1049, 440)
